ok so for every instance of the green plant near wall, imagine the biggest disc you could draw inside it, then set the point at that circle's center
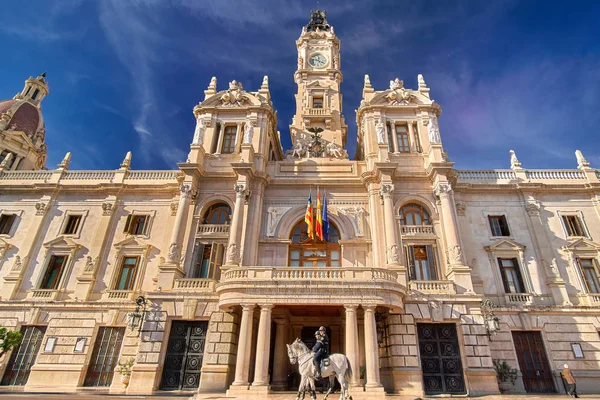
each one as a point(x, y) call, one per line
point(124, 367)
point(504, 372)
point(9, 340)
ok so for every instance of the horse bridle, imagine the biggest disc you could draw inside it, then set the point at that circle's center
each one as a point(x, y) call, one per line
point(300, 356)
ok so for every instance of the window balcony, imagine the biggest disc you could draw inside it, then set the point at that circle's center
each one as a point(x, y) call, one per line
point(519, 299)
point(318, 111)
point(118, 295)
point(417, 230)
point(589, 299)
point(194, 284)
point(221, 230)
point(432, 287)
point(43, 294)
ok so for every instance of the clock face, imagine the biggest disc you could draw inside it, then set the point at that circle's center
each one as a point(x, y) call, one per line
point(317, 60)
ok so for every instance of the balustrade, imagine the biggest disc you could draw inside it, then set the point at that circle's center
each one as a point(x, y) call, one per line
point(89, 175)
point(318, 111)
point(310, 273)
point(43, 294)
point(554, 174)
point(213, 229)
point(195, 284)
point(519, 298)
point(25, 175)
point(153, 175)
point(118, 295)
point(432, 287)
point(416, 230)
point(491, 175)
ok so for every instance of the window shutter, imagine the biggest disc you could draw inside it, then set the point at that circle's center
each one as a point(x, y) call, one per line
point(491, 225)
point(197, 263)
point(127, 224)
point(216, 260)
point(432, 264)
point(146, 225)
point(519, 275)
point(503, 274)
point(220, 252)
point(505, 230)
point(410, 257)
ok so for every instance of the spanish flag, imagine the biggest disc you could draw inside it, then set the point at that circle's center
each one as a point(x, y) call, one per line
point(319, 216)
point(308, 218)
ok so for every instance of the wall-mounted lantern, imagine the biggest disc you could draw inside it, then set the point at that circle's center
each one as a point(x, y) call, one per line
point(136, 318)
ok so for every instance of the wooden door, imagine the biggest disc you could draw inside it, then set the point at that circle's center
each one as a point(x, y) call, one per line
point(185, 353)
point(537, 376)
point(23, 356)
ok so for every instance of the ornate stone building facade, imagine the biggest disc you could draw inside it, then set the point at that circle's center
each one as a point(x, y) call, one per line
point(218, 248)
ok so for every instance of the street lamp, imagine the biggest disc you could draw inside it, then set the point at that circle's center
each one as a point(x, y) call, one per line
point(492, 323)
point(136, 318)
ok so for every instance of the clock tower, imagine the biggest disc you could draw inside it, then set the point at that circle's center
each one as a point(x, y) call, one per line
point(318, 101)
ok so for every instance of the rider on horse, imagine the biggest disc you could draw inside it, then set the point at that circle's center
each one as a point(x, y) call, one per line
point(321, 349)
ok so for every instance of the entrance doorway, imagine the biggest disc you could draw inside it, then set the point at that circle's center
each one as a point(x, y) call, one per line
point(185, 352)
point(23, 357)
point(533, 362)
point(104, 356)
point(440, 359)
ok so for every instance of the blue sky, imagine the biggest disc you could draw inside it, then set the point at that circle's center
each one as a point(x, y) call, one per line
point(125, 74)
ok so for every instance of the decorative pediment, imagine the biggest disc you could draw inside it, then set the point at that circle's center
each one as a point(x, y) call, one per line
point(505, 245)
point(399, 97)
point(62, 242)
point(582, 244)
point(317, 83)
point(133, 243)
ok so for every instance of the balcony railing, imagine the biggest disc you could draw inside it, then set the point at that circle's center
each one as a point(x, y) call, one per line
point(195, 284)
point(416, 230)
point(432, 287)
point(519, 298)
point(589, 299)
point(318, 111)
point(560, 176)
point(119, 295)
point(44, 294)
point(333, 274)
point(216, 230)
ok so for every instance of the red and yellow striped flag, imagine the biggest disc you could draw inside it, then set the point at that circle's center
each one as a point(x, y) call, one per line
point(319, 217)
point(308, 218)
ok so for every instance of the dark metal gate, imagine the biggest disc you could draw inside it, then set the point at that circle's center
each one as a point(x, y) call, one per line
point(23, 357)
point(533, 362)
point(104, 356)
point(185, 352)
point(440, 359)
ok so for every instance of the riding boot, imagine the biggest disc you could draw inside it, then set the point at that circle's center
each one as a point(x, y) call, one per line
point(317, 371)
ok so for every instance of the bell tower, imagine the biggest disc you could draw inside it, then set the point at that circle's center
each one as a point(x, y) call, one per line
point(318, 100)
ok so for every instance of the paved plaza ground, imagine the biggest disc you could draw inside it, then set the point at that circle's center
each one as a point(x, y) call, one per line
point(283, 396)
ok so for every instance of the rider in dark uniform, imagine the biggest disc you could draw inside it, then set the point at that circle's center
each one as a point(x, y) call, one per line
point(321, 349)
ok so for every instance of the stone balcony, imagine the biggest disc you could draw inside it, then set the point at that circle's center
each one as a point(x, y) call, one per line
point(589, 299)
point(195, 285)
point(308, 285)
point(417, 230)
point(432, 287)
point(213, 230)
point(318, 111)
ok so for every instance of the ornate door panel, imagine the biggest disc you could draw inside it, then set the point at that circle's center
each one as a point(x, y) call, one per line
point(440, 359)
point(104, 356)
point(537, 376)
point(23, 357)
point(185, 352)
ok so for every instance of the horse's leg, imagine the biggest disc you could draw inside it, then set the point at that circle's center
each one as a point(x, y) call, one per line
point(313, 391)
point(331, 384)
point(300, 389)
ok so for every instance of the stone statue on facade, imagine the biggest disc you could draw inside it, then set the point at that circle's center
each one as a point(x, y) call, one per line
point(454, 254)
point(199, 132)
point(393, 256)
point(274, 215)
point(380, 129)
point(398, 95)
point(433, 130)
point(581, 161)
point(233, 254)
point(299, 149)
point(514, 161)
point(334, 150)
point(248, 132)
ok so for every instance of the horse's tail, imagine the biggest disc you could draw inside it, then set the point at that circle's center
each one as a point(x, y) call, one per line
point(349, 370)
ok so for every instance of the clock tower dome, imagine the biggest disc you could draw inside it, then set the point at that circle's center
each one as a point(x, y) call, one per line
point(318, 101)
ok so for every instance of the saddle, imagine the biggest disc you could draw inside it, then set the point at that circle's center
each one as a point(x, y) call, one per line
point(325, 362)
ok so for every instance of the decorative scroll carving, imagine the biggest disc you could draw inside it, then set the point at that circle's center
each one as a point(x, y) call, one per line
point(234, 96)
point(356, 216)
point(274, 216)
point(41, 208)
point(386, 191)
point(108, 208)
point(443, 189)
point(399, 95)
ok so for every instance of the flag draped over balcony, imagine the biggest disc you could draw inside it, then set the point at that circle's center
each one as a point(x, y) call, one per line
point(325, 219)
point(319, 217)
point(308, 218)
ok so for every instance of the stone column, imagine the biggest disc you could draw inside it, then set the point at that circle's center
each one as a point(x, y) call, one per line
point(392, 252)
point(352, 343)
point(458, 271)
point(233, 246)
point(280, 362)
point(242, 361)
point(175, 247)
point(220, 133)
point(394, 137)
point(263, 346)
point(371, 349)
point(238, 137)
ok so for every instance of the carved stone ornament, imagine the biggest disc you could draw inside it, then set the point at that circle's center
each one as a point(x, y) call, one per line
point(386, 191)
point(41, 208)
point(398, 95)
point(17, 265)
point(581, 161)
point(174, 207)
point(299, 150)
point(514, 161)
point(274, 215)
point(356, 216)
point(234, 96)
point(90, 264)
point(240, 190)
point(233, 254)
point(248, 131)
point(185, 191)
point(334, 150)
point(393, 256)
point(443, 189)
point(199, 132)
point(173, 255)
point(380, 129)
point(554, 267)
point(533, 209)
point(433, 130)
point(454, 254)
point(108, 208)
point(461, 208)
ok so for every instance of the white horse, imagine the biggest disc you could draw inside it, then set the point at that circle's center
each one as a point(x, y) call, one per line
point(339, 367)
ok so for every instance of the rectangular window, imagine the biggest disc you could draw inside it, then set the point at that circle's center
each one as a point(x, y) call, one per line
point(127, 274)
point(402, 136)
point(6, 223)
point(317, 102)
point(229, 140)
point(53, 272)
point(418, 147)
point(137, 224)
point(72, 224)
point(421, 263)
point(589, 270)
point(511, 275)
point(208, 261)
point(573, 225)
point(498, 225)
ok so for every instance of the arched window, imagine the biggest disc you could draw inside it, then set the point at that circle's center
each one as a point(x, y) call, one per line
point(305, 252)
point(414, 214)
point(217, 214)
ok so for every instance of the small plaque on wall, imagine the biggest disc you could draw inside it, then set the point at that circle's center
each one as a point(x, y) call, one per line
point(577, 350)
point(50, 343)
point(79, 345)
